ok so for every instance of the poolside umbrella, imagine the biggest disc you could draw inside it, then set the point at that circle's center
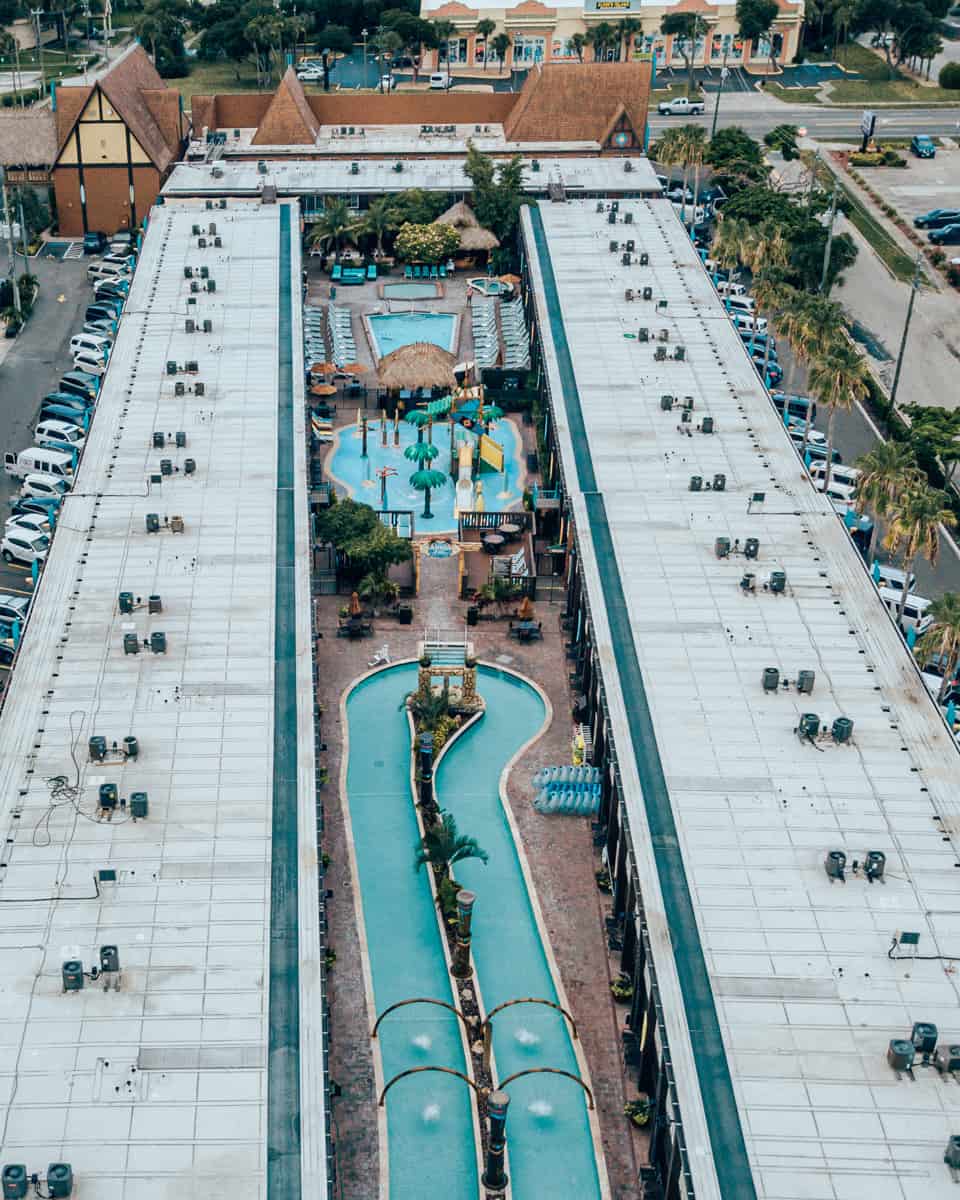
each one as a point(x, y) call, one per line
point(473, 236)
point(526, 609)
point(354, 604)
point(425, 480)
point(353, 369)
point(323, 389)
point(322, 368)
point(421, 452)
point(417, 365)
point(513, 280)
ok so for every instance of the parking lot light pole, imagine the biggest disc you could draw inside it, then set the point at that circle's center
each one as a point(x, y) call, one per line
point(826, 250)
point(914, 287)
point(13, 255)
point(716, 108)
point(364, 33)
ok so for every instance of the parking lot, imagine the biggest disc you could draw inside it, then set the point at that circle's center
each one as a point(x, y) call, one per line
point(33, 366)
point(924, 184)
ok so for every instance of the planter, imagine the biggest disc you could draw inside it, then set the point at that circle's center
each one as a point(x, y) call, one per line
point(405, 614)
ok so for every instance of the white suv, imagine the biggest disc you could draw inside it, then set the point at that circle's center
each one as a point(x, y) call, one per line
point(22, 545)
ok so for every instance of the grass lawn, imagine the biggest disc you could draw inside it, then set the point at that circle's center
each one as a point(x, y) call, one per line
point(671, 91)
point(207, 78)
point(793, 95)
point(896, 91)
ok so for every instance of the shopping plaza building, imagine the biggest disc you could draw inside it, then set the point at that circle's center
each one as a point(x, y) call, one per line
point(543, 33)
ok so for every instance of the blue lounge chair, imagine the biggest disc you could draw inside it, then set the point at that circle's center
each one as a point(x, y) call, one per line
point(416, 272)
point(371, 270)
point(443, 271)
point(434, 274)
point(336, 272)
point(408, 272)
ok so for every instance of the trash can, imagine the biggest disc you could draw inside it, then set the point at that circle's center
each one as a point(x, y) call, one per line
point(473, 614)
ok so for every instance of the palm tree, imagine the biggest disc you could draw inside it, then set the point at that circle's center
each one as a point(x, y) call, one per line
point(9, 48)
point(484, 28)
point(386, 45)
point(811, 324)
point(693, 139)
point(843, 13)
point(942, 639)
point(600, 37)
point(669, 150)
point(578, 41)
point(443, 845)
point(444, 30)
point(335, 225)
point(730, 238)
point(763, 249)
point(773, 294)
point(887, 471)
point(628, 29)
point(915, 520)
point(427, 708)
point(500, 45)
point(839, 380)
point(378, 220)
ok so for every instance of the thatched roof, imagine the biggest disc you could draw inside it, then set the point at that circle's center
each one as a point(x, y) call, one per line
point(28, 137)
point(419, 365)
point(473, 236)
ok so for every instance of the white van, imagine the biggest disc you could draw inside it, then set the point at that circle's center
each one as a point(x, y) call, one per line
point(39, 460)
point(439, 81)
point(892, 577)
point(915, 615)
point(726, 288)
point(91, 361)
point(108, 270)
point(843, 493)
point(848, 476)
point(742, 304)
point(748, 323)
point(59, 435)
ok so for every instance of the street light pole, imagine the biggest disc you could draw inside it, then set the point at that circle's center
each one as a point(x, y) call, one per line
point(363, 34)
point(914, 287)
point(37, 13)
point(716, 108)
point(826, 249)
point(13, 255)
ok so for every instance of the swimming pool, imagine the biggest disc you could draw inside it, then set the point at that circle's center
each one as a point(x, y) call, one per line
point(490, 287)
point(411, 291)
point(429, 1124)
point(390, 331)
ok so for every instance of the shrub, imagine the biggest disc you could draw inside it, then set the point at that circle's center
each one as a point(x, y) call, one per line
point(938, 257)
point(426, 243)
point(953, 275)
point(867, 160)
point(949, 76)
point(892, 159)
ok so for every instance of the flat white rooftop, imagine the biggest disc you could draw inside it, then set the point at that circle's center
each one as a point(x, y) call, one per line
point(805, 993)
point(376, 176)
point(158, 1085)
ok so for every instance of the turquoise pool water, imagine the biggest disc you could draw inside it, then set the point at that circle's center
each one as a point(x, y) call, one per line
point(550, 1147)
point(393, 330)
point(410, 291)
point(501, 489)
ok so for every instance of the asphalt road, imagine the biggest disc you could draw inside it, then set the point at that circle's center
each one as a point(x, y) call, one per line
point(34, 365)
point(757, 114)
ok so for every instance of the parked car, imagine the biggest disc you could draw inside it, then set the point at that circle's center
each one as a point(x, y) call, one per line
point(759, 340)
point(742, 321)
point(814, 437)
point(848, 476)
point(774, 370)
point(94, 242)
point(13, 608)
point(106, 270)
point(104, 327)
point(89, 341)
point(119, 286)
point(124, 259)
point(937, 218)
point(30, 523)
point(923, 146)
point(20, 545)
point(90, 360)
point(440, 81)
point(59, 435)
point(680, 106)
point(819, 454)
point(312, 73)
point(949, 235)
point(78, 383)
point(44, 487)
point(797, 406)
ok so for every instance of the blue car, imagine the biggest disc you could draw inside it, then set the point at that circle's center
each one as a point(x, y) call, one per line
point(923, 146)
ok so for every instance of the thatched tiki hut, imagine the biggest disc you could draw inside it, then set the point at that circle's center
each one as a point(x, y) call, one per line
point(420, 365)
point(475, 241)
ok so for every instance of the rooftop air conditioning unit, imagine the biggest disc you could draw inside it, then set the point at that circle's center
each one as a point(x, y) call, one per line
point(202, 243)
point(628, 218)
point(661, 354)
point(223, 204)
point(644, 259)
point(614, 247)
point(611, 218)
point(354, 168)
point(398, 167)
point(217, 173)
point(535, 165)
point(261, 167)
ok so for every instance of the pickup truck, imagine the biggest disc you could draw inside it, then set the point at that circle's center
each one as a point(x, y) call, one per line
point(679, 107)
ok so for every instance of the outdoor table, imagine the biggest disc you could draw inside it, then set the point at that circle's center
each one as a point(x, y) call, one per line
point(526, 631)
point(510, 530)
point(492, 542)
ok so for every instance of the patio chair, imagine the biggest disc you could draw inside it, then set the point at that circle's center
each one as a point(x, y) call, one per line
point(434, 273)
point(443, 271)
point(372, 271)
point(408, 272)
point(336, 272)
point(416, 271)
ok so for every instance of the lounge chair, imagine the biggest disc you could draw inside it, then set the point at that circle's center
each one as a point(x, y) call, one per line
point(416, 272)
point(443, 271)
point(408, 272)
point(434, 274)
point(372, 271)
point(336, 272)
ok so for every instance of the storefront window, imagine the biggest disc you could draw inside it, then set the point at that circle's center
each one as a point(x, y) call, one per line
point(562, 50)
point(457, 50)
point(654, 44)
point(762, 47)
point(479, 49)
point(528, 48)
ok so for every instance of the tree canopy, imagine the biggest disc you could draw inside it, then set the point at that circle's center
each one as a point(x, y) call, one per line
point(497, 191)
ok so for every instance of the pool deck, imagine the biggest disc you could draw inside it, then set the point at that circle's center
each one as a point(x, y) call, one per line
point(561, 859)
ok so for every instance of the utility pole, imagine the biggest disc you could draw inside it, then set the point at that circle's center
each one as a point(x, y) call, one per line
point(914, 287)
point(107, 29)
point(37, 13)
point(826, 249)
point(813, 178)
point(716, 107)
point(13, 257)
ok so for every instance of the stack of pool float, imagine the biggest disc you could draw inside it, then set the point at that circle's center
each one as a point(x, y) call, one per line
point(341, 335)
point(567, 790)
point(516, 341)
point(486, 343)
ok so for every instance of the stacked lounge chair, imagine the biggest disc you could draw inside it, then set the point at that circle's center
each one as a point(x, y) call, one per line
point(486, 342)
point(516, 341)
point(314, 347)
point(341, 335)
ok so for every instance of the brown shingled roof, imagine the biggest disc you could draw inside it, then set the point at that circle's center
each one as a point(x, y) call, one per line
point(150, 110)
point(577, 102)
point(28, 138)
point(289, 121)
